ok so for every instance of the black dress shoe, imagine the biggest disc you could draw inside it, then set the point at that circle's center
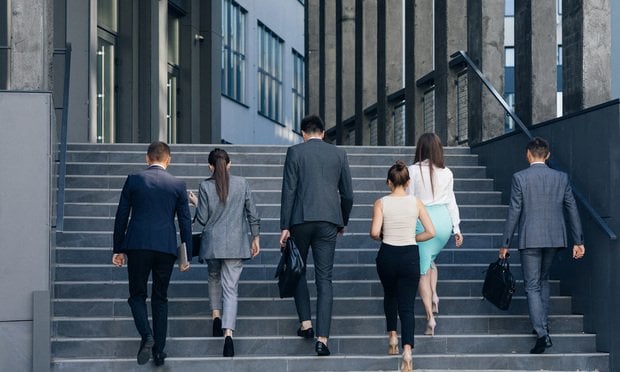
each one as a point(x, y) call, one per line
point(144, 352)
point(321, 349)
point(305, 333)
point(541, 345)
point(229, 347)
point(159, 358)
point(217, 327)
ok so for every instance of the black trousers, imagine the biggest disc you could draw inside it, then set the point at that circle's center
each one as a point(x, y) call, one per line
point(399, 271)
point(321, 236)
point(141, 263)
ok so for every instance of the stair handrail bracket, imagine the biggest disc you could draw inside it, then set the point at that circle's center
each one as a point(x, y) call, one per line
point(462, 56)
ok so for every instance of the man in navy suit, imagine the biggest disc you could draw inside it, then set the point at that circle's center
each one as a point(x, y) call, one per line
point(148, 244)
point(538, 200)
point(317, 197)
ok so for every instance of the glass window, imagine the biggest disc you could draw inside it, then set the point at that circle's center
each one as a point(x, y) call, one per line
point(172, 85)
point(233, 50)
point(269, 74)
point(107, 11)
point(510, 8)
point(4, 44)
point(107, 22)
point(299, 86)
point(509, 53)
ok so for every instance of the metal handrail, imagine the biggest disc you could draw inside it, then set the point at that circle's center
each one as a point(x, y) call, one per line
point(578, 195)
point(62, 154)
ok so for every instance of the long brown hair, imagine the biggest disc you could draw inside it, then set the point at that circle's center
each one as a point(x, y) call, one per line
point(429, 148)
point(219, 160)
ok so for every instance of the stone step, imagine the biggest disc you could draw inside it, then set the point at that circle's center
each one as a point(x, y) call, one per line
point(83, 272)
point(272, 224)
point(203, 149)
point(272, 256)
point(271, 239)
point(262, 183)
point(341, 288)
point(256, 157)
point(122, 347)
point(193, 326)
point(246, 170)
point(265, 306)
point(273, 210)
point(489, 362)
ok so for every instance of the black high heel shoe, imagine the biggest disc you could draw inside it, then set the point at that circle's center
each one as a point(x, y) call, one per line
point(229, 347)
point(217, 327)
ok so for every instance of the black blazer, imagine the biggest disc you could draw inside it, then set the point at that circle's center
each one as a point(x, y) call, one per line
point(152, 197)
point(316, 185)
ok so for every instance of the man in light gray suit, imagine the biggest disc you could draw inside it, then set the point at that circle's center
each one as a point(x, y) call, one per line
point(538, 199)
point(317, 197)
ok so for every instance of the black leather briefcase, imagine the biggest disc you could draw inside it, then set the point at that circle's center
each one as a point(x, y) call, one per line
point(499, 284)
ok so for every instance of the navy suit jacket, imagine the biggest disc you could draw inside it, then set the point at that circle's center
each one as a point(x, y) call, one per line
point(152, 198)
point(540, 200)
point(316, 185)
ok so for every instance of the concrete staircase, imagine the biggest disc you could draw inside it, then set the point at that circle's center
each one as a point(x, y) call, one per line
point(93, 329)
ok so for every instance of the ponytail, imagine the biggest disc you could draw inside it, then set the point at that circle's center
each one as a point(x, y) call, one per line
point(219, 160)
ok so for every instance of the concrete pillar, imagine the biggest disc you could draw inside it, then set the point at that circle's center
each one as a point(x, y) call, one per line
point(586, 27)
point(330, 63)
point(423, 54)
point(485, 20)
point(394, 42)
point(210, 72)
point(189, 123)
point(32, 48)
point(457, 40)
point(359, 72)
point(312, 57)
point(535, 60)
point(615, 50)
point(370, 53)
point(348, 59)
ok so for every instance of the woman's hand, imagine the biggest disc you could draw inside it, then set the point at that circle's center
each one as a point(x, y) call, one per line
point(255, 250)
point(458, 239)
point(193, 199)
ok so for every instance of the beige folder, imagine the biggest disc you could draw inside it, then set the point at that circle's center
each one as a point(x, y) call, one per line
point(182, 257)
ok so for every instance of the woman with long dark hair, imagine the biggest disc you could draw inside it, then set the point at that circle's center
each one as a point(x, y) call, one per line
point(432, 183)
point(394, 219)
point(226, 209)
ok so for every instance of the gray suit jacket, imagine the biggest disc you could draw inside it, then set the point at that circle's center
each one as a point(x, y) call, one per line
point(227, 226)
point(538, 199)
point(316, 185)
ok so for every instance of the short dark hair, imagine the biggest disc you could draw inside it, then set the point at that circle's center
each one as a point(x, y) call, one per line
point(398, 174)
point(312, 124)
point(158, 151)
point(538, 147)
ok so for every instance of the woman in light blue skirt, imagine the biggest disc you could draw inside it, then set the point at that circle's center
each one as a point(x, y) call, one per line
point(432, 182)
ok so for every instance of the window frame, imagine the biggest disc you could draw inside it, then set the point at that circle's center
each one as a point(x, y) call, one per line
point(298, 90)
point(234, 60)
point(270, 74)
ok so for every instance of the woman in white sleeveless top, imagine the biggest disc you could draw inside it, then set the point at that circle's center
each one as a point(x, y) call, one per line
point(398, 261)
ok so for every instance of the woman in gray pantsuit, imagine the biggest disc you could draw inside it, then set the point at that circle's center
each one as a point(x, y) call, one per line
point(226, 209)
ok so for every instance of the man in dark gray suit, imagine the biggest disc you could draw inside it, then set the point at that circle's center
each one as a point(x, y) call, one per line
point(317, 197)
point(538, 199)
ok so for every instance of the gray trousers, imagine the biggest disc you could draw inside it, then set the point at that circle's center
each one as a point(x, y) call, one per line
point(223, 288)
point(321, 236)
point(535, 263)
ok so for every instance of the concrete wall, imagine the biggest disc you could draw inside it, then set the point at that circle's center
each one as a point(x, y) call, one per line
point(25, 187)
point(584, 145)
point(615, 50)
point(242, 124)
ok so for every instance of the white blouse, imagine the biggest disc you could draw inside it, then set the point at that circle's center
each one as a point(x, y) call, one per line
point(444, 189)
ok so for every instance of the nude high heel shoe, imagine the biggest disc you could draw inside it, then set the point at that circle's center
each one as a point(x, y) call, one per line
point(407, 363)
point(393, 346)
point(435, 305)
point(430, 327)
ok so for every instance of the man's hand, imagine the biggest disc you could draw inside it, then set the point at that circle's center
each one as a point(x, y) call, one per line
point(119, 259)
point(458, 239)
point(340, 231)
point(578, 251)
point(284, 235)
point(185, 267)
point(255, 246)
point(503, 252)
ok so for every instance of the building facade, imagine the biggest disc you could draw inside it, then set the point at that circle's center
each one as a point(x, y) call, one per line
point(382, 72)
point(183, 71)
